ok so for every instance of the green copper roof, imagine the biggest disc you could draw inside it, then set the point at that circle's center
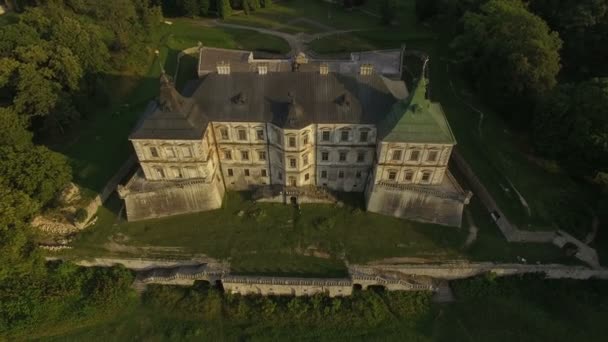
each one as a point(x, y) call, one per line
point(416, 119)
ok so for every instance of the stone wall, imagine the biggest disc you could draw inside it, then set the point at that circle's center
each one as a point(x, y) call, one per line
point(186, 198)
point(245, 285)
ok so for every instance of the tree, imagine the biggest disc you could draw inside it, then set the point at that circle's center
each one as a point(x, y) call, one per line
point(510, 54)
point(266, 3)
point(190, 8)
point(35, 170)
point(426, 9)
point(388, 10)
point(571, 125)
point(224, 8)
point(12, 129)
point(204, 6)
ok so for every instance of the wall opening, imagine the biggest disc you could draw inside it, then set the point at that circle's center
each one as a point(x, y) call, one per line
point(293, 200)
point(357, 287)
point(218, 285)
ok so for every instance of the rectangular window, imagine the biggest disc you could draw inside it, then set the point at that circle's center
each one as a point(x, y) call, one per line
point(242, 134)
point(154, 152)
point(263, 173)
point(306, 177)
point(177, 172)
point(305, 160)
point(224, 133)
point(325, 136)
point(358, 174)
point(340, 174)
point(245, 155)
point(170, 152)
point(323, 174)
point(186, 152)
point(324, 156)
point(363, 136)
point(432, 157)
point(344, 135)
point(409, 176)
point(397, 155)
point(415, 155)
point(228, 155)
point(230, 173)
point(392, 175)
point(305, 139)
point(342, 156)
point(426, 177)
point(292, 162)
point(292, 141)
point(160, 172)
point(246, 172)
point(360, 157)
point(260, 134)
point(262, 155)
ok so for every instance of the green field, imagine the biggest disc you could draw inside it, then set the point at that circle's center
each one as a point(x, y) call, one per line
point(277, 239)
point(487, 309)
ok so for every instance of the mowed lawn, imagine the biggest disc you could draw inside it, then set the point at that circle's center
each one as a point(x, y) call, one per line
point(272, 238)
point(100, 145)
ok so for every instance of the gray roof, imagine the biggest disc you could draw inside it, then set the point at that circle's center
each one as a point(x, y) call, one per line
point(287, 99)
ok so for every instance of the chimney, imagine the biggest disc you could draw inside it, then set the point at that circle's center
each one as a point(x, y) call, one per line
point(324, 69)
point(366, 69)
point(223, 68)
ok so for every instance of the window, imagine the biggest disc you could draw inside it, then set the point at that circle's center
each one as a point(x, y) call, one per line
point(409, 176)
point(392, 175)
point(305, 138)
point(230, 173)
point(246, 172)
point(154, 152)
point(325, 136)
point(358, 174)
point(245, 155)
point(224, 133)
point(323, 174)
point(305, 159)
point(426, 177)
point(415, 155)
point(324, 156)
point(170, 152)
point(342, 156)
point(186, 152)
point(177, 172)
point(242, 134)
point(292, 162)
point(366, 69)
point(263, 173)
point(262, 69)
point(432, 157)
point(262, 155)
point(397, 155)
point(360, 157)
point(340, 174)
point(260, 134)
point(363, 136)
point(280, 176)
point(344, 135)
point(160, 172)
point(292, 141)
point(306, 177)
point(227, 155)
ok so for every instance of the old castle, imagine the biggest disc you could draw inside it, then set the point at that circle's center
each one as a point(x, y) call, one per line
point(296, 127)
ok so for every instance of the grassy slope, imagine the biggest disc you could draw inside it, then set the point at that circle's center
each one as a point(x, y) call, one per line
point(100, 145)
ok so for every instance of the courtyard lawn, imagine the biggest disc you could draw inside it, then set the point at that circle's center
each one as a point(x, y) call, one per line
point(273, 239)
point(99, 146)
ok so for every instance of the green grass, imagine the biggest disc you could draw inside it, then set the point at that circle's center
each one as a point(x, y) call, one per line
point(273, 238)
point(99, 146)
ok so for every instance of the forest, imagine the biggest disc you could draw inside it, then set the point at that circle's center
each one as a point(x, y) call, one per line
point(541, 63)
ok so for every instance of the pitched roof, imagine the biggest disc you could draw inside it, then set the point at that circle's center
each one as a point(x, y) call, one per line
point(417, 119)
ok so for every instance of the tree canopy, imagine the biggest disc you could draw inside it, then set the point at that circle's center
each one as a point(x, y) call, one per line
point(511, 54)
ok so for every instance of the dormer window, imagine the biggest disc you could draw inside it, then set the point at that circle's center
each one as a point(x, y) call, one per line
point(366, 69)
point(154, 152)
point(223, 68)
point(324, 69)
point(262, 69)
